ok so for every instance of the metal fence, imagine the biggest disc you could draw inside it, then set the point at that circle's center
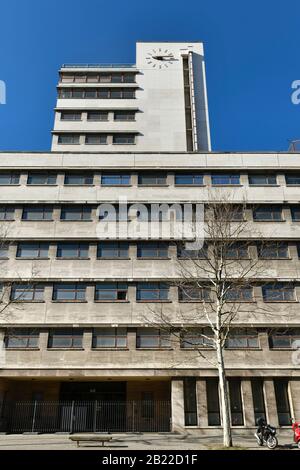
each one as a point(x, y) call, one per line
point(89, 416)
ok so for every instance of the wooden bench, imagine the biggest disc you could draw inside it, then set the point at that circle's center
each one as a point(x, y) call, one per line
point(90, 438)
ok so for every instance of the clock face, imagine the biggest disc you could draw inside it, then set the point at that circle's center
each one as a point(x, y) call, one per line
point(160, 58)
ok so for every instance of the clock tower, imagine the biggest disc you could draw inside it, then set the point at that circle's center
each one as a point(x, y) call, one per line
point(172, 96)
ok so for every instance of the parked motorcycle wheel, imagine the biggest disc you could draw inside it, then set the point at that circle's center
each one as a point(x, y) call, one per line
point(298, 443)
point(272, 442)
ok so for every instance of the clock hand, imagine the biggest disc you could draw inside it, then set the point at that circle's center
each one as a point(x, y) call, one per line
point(162, 57)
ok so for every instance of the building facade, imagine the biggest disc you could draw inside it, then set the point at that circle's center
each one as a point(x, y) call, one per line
point(79, 349)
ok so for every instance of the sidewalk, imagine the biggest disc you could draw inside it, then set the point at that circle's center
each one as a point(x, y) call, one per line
point(131, 442)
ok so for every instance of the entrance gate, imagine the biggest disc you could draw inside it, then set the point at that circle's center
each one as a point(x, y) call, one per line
point(86, 416)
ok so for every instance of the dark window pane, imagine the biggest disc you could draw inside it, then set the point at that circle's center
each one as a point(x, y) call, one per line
point(223, 179)
point(112, 291)
point(113, 250)
point(72, 250)
point(190, 402)
point(22, 338)
point(292, 179)
point(272, 213)
point(27, 293)
point(65, 338)
point(263, 180)
point(115, 179)
point(152, 250)
point(282, 402)
point(37, 213)
point(68, 139)
point(75, 213)
point(70, 116)
point(152, 291)
point(78, 178)
point(123, 139)
point(41, 178)
point(273, 250)
point(109, 338)
point(295, 211)
point(124, 115)
point(152, 178)
point(258, 399)
point(32, 250)
point(9, 178)
point(152, 338)
point(236, 405)
point(97, 116)
point(7, 213)
point(213, 403)
point(278, 292)
point(189, 179)
point(69, 292)
point(96, 139)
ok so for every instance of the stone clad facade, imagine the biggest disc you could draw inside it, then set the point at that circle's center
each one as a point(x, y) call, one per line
point(80, 334)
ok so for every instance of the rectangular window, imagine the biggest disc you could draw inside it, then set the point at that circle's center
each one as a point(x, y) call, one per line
point(80, 78)
point(235, 250)
point(184, 252)
point(113, 250)
point(293, 179)
point(273, 250)
point(152, 291)
point(80, 179)
point(37, 213)
point(65, 338)
point(213, 402)
point(27, 293)
point(4, 250)
point(147, 405)
point(282, 402)
point(70, 292)
point(242, 338)
point(190, 401)
point(69, 139)
point(123, 139)
point(97, 116)
point(32, 250)
point(224, 179)
point(195, 338)
point(124, 115)
point(193, 294)
point(70, 116)
point(152, 250)
point(109, 338)
point(115, 179)
point(262, 180)
point(90, 93)
point(295, 211)
point(75, 213)
point(9, 178)
point(257, 386)
point(23, 338)
point(268, 213)
point(236, 404)
point(72, 250)
point(92, 78)
point(287, 338)
point(239, 294)
point(7, 213)
point(96, 139)
point(278, 292)
point(152, 179)
point(67, 77)
point(188, 179)
point(152, 338)
point(41, 178)
point(111, 291)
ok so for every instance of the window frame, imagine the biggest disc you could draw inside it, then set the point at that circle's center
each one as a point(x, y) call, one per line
point(117, 336)
point(41, 246)
point(159, 291)
point(27, 335)
point(79, 290)
point(117, 288)
point(80, 247)
point(73, 338)
point(163, 339)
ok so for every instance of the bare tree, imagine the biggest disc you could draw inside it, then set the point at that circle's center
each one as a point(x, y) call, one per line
point(218, 280)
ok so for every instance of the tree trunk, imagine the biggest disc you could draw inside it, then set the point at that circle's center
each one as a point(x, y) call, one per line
point(227, 437)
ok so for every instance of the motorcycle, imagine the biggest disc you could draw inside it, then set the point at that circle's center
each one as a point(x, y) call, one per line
point(266, 434)
point(296, 429)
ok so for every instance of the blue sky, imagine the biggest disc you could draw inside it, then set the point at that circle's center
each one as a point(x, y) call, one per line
point(252, 57)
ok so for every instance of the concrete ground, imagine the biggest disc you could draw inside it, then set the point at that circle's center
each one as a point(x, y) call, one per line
point(131, 442)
